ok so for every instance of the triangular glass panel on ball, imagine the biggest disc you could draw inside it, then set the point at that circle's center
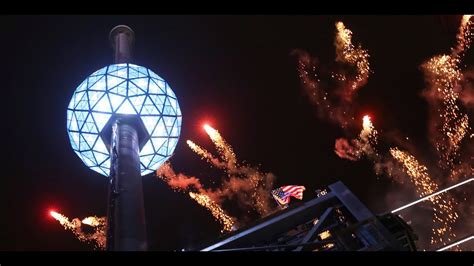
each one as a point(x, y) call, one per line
point(111, 119)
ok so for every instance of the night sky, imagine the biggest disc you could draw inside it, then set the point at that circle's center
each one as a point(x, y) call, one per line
point(235, 72)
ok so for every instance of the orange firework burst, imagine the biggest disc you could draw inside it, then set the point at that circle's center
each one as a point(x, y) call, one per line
point(444, 214)
point(98, 237)
point(215, 210)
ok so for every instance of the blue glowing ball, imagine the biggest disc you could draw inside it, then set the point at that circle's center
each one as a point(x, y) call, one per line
point(123, 89)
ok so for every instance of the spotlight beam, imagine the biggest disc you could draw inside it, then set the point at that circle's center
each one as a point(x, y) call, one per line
point(432, 195)
point(456, 243)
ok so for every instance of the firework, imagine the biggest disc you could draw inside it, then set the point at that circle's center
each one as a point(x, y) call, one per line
point(205, 154)
point(94, 221)
point(63, 220)
point(178, 182)
point(310, 79)
point(224, 149)
point(368, 135)
point(348, 53)
point(215, 210)
point(335, 104)
point(183, 183)
point(448, 125)
point(464, 37)
point(444, 214)
point(443, 75)
point(241, 178)
point(364, 145)
point(97, 238)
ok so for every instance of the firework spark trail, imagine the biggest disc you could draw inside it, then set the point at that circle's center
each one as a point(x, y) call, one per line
point(205, 154)
point(464, 37)
point(448, 126)
point(247, 178)
point(311, 83)
point(348, 53)
point(224, 149)
point(261, 184)
point(444, 214)
point(368, 133)
point(183, 183)
point(466, 95)
point(443, 75)
point(336, 106)
point(178, 182)
point(215, 210)
point(98, 237)
point(63, 220)
point(94, 221)
point(364, 145)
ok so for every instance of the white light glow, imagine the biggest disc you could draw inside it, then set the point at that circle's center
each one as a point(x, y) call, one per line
point(123, 89)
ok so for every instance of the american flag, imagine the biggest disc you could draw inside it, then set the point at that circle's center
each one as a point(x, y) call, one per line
point(282, 195)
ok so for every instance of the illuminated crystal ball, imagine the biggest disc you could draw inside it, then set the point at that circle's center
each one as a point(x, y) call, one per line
point(125, 89)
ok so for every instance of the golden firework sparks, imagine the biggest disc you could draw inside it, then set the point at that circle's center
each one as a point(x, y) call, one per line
point(215, 210)
point(367, 138)
point(367, 124)
point(97, 238)
point(310, 80)
point(183, 183)
point(368, 133)
point(205, 154)
point(94, 221)
point(335, 104)
point(224, 149)
point(63, 220)
point(363, 145)
point(444, 74)
point(444, 213)
point(464, 37)
point(347, 52)
point(257, 180)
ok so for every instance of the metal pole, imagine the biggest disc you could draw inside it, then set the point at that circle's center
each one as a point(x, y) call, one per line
point(122, 39)
point(126, 213)
point(456, 243)
point(129, 213)
point(312, 244)
point(113, 190)
point(432, 195)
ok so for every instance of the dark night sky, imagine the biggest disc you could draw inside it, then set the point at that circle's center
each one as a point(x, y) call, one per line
point(234, 71)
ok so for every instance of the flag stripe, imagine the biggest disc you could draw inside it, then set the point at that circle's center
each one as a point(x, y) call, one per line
point(282, 195)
